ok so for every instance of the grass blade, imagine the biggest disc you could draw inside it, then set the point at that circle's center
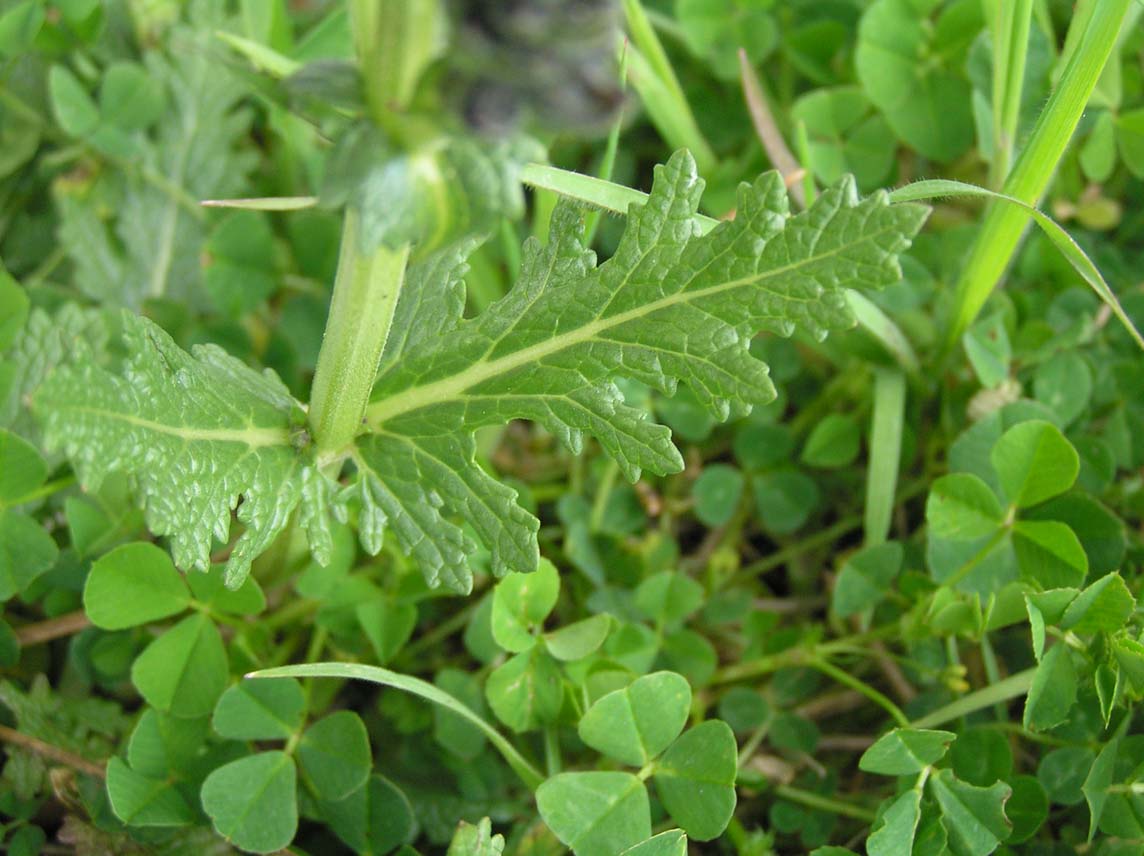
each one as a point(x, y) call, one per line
point(1061, 239)
point(414, 686)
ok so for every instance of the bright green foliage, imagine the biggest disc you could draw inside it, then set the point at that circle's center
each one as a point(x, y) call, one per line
point(142, 801)
point(1034, 462)
point(1064, 383)
point(478, 840)
point(1097, 782)
point(595, 812)
point(134, 584)
point(1054, 690)
point(970, 819)
point(251, 801)
point(26, 551)
point(46, 342)
point(1050, 552)
point(157, 235)
point(403, 197)
point(640, 725)
point(260, 710)
point(668, 598)
point(906, 750)
point(162, 746)
point(927, 104)
point(978, 544)
point(170, 402)
point(457, 734)
point(579, 639)
point(670, 843)
point(74, 110)
point(846, 136)
point(906, 536)
point(375, 818)
point(635, 724)
point(1104, 606)
point(13, 309)
point(898, 826)
point(695, 778)
point(586, 326)
point(521, 602)
point(19, 25)
point(22, 470)
point(184, 670)
point(974, 817)
point(526, 691)
point(130, 97)
point(989, 351)
point(334, 755)
point(196, 432)
point(241, 251)
point(962, 507)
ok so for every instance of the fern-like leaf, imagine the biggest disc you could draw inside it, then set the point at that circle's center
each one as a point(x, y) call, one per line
point(200, 433)
point(45, 343)
point(196, 432)
point(670, 305)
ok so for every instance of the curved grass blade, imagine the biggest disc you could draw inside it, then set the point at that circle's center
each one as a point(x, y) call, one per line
point(1061, 239)
point(414, 686)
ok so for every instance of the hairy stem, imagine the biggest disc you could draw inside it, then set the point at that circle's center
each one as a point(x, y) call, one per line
point(361, 312)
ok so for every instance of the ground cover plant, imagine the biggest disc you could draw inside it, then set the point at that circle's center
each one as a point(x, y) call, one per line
point(617, 427)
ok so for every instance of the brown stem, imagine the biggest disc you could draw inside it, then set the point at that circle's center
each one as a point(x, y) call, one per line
point(768, 131)
point(54, 628)
point(788, 604)
point(845, 743)
point(831, 704)
point(903, 689)
point(54, 753)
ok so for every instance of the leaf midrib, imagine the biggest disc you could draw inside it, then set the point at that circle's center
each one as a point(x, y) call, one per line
point(450, 387)
point(251, 436)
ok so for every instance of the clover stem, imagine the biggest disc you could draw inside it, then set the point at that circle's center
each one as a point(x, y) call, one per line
point(366, 289)
point(824, 803)
point(552, 759)
point(1005, 224)
point(848, 680)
